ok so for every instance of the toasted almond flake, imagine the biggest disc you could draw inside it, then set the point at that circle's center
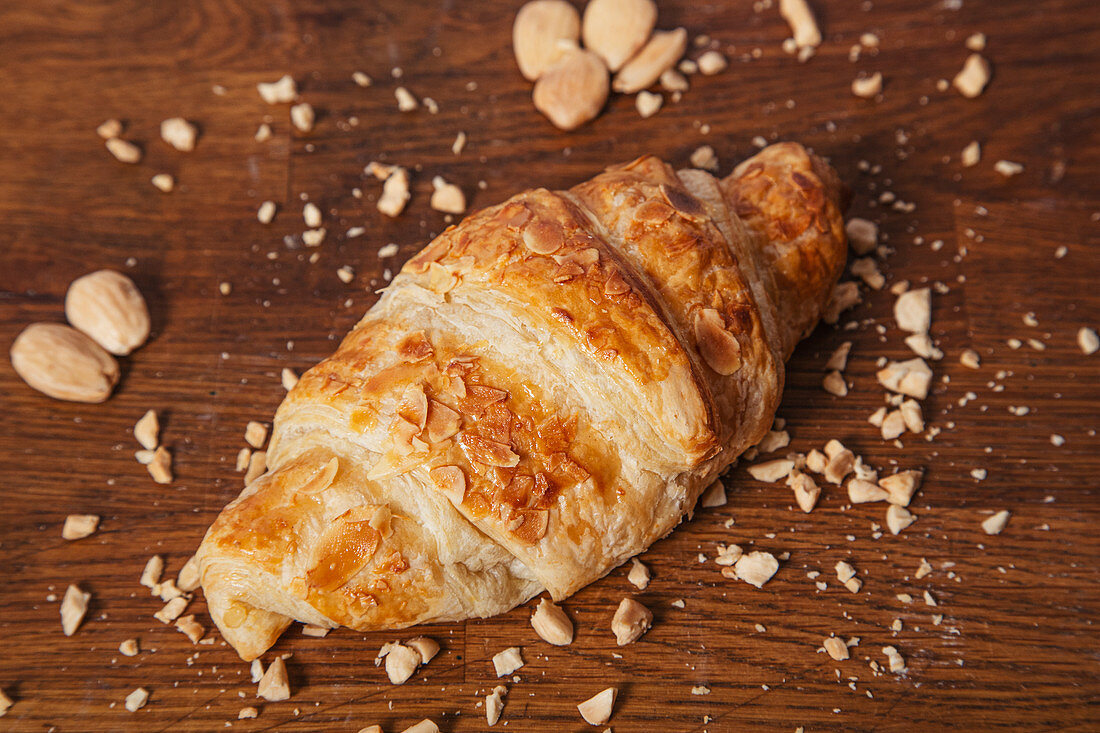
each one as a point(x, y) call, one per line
point(711, 63)
point(638, 575)
point(248, 712)
point(974, 76)
point(661, 53)
point(1088, 341)
point(617, 29)
point(897, 662)
point(150, 576)
point(172, 610)
point(276, 92)
point(597, 709)
point(719, 347)
point(257, 464)
point(803, 25)
point(179, 133)
point(401, 662)
point(996, 523)
point(123, 150)
point(912, 377)
point(79, 526)
point(898, 518)
point(274, 685)
point(73, 607)
point(494, 705)
point(136, 700)
point(395, 193)
point(901, 486)
point(1007, 168)
point(266, 212)
point(728, 557)
point(862, 235)
point(771, 471)
point(867, 87)
point(648, 103)
point(109, 129)
point(302, 116)
point(447, 197)
point(129, 648)
point(507, 661)
point(834, 384)
point(714, 496)
point(163, 182)
point(459, 144)
point(836, 648)
point(862, 492)
point(631, 620)
point(756, 568)
point(190, 628)
point(160, 468)
point(406, 102)
point(551, 624)
point(705, 158)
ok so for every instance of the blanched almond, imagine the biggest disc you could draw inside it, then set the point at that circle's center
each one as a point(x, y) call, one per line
point(597, 709)
point(539, 26)
point(63, 363)
point(631, 620)
point(616, 29)
point(107, 306)
point(662, 52)
point(551, 624)
point(573, 90)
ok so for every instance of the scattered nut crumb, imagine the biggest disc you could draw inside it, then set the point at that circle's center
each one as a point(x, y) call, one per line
point(129, 648)
point(995, 524)
point(714, 496)
point(834, 384)
point(447, 197)
point(257, 464)
point(109, 129)
point(406, 102)
point(395, 193)
point(836, 648)
point(163, 182)
point(191, 628)
point(263, 133)
point(248, 712)
point(897, 662)
point(172, 610)
point(289, 379)
point(266, 212)
point(597, 709)
point(913, 310)
point(898, 518)
point(971, 154)
point(346, 274)
point(705, 158)
point(255, 434)
point(283, 90)
point(136, 700)
point(1007, 168)
point(756, 568)
point(494, 705)
point(147, 430)
point(179, 133)
point(648, 103)
point(867, 87)
point(551, 624)
point(302, 117)
point(79, 526)
point(631, 620)
point(711, 63)
point(638, 575)
point(459, 144)
point(970, 359)
point(73, 607)
point(1088, 341)
point(401, 663)
point(771, 471)
point(160, 468)
point(150, 576)
point(274, 685)
point(862, 235)
point(124, 151)
point(507, 661)
point(803, 25)
point(974, 76)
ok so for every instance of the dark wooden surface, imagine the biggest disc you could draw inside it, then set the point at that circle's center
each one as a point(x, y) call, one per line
point(1018, 647)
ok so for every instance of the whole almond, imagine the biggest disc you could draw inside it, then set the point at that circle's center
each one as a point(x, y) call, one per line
point(539, 26)
point(616, 29)
point(662, 52)
point(63, 363)
point(573, 90)
point(107, 306)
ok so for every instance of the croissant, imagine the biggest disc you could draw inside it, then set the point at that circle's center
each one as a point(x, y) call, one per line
point(540, 394)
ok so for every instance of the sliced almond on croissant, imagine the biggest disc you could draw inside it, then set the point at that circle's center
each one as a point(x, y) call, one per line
point(719, 347)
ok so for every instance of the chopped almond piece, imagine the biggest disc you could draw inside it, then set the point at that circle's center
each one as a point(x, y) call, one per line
point(816, 461)
point(108, 129)
point(302, 117)
point(897, 662)
point(844, 571)
point(840, 464)
point(867, 270)
point(494, 705)
point(853, 584)
point(257, 464)
point(160, 468)
point(756, 568)
point(507, 661)
point(838, 360)
point(150, 576)
point(705, 158)
point(191, 628)
point(804, 28)
point(971, 154)
point(447, 197)
point(79, 526)
point(771, 471)
point(877, 417)
point(424, 726)
point(836, 648)
point(970, 359)
point(893, 425)
point(123, 150)
point(255, 434)
point(844, 296)
point(73, 607)
point(922, 346)
point(727, 557)
point(136, 700)
point(179, 133)
point(425, 646)
point(911, 413)
point(401, 662)
point(806, 492)
point(551, 624)
point(289, 379)
point(1088, 341)
point(715, 495)
point(773, 440)
point(898, 518)
point(316, 632)
point(244, 455)
point(929, 600)
point(1008, 168)
point(867, 87)
point(711, 63)
point(996, 523)
point(459, 144)
point(631, 620)
point(861, 491)
point(597, 709)
point(395, 193)
point(976, 42)
point(648, 103)
point(912, 377)
point(924, 569)
point(129, 648)
point(171, 610)
point(266, 212)
point(283, 90)
point(638, 575)
point(974, 76)
point(406, 102)
point(147, 430)
point(913, 310)
point(901, 486)
point(862, 235)
point(250, 712)
point(274, 685)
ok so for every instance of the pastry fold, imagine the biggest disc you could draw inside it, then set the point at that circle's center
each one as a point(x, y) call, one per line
point(540, 394)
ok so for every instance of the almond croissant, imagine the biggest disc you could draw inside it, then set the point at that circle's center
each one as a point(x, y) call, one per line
point(540, 394)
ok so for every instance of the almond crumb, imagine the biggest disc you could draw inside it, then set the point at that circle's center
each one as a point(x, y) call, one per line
point(289, 380)
point(1088, 341)
point(179, 133)
point(302, 116)
point(711, 63)
point(274, 685)
point(834, 384)
point(970, 359)
point(648, 103)
point(406, 102)
point(123, 150)
point(705, 158)
point(756, 568)
point(714, 496)
point(447, 197)
point(73, 607)
point(147, 430)
point(862, 235)
point(191, 628)
point(631, 620)
point(971, 154)
point(79, 526)
point(129, 648)
point(995, 524)
point(494, 705)
point(897, 662)
point(163, 182)
point(974, 76)
point(257, 465)
point(1008, 168)
point(803, 25)
point(867, 87)
point(276, 92)
point(395, 192)
point(551, 624)
point(136, 700)
point(248, 712)
point(597, 709)
point(507, 661)
point(771, 471)
point(638, 575)
point(898, 518)
point(109, 129)
point(836, 648)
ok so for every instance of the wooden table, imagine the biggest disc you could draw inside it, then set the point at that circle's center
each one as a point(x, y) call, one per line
point(1017, 646)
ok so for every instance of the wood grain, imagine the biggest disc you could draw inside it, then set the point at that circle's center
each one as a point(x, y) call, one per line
point(1018, 646)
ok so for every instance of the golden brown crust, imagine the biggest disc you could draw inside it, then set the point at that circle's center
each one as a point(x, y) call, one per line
point(541, 393)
